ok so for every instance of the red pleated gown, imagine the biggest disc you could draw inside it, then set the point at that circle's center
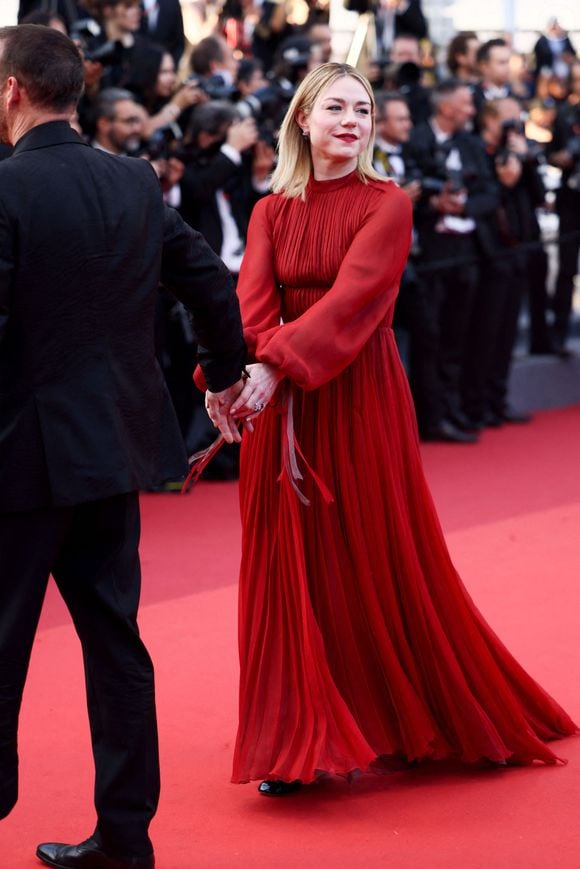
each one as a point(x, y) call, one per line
point(358, 639)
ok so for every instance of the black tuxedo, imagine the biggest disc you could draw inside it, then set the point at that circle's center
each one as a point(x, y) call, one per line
point(85, 421)
point(168, 29)
point(451, 287)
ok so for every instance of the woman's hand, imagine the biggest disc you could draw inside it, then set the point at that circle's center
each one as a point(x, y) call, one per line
point(258, 390)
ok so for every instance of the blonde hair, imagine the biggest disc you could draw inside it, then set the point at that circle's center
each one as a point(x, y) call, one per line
point(294, 167)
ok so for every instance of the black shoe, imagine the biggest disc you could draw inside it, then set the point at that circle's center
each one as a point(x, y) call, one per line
point(515, 417)
point(448, 433)
point(560, 349)
point(275, 788)
point(543, 349)
point(492, 419)
point(88, 855)
point(463, 422)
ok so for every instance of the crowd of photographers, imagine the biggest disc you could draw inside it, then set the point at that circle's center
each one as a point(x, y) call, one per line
point(474, 141)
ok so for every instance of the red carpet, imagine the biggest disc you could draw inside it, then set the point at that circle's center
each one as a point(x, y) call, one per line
point(511, 510)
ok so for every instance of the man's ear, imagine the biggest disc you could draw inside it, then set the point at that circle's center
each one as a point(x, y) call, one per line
point(13, 92)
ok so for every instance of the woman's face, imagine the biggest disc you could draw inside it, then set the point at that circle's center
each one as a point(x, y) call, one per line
point(340, 123)
point(165, 77)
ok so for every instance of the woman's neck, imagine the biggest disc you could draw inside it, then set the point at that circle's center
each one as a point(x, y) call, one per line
point(327, 170)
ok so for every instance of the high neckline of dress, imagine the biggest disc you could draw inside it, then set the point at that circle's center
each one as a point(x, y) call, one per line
point(331, 184)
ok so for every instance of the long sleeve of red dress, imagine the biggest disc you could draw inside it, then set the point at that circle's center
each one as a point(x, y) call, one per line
point(316, 346)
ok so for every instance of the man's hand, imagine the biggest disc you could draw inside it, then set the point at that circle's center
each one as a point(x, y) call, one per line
point(218, 406)
point(449, 202)
point(413, 190)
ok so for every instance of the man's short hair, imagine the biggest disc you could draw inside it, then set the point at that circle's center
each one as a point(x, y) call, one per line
point(484, 51)
point(384, 99)
point(96, 8)
point(488, 109)
point(105, 105)
point(45, 62)
point(458, 45)
point(209, 50)
point(212, 118)
point(445, 89)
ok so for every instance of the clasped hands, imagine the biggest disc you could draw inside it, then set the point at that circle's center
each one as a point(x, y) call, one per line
point(243, 401)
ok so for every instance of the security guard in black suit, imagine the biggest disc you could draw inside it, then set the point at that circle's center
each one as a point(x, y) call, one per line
point(458, 193)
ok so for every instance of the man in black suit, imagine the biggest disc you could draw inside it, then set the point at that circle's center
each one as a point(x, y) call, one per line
point(86, 420)
point(493, 62)
point(69, 10)
point(458, 193)
point(162, 22)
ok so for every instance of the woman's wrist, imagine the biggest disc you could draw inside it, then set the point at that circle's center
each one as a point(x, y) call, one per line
point(172, 110)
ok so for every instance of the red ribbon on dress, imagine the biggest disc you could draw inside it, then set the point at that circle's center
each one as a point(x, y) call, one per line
point(290, 447)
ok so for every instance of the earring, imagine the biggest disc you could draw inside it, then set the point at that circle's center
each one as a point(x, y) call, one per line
point(305, 133)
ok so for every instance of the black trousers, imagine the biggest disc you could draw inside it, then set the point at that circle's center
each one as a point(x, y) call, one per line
point(92, 552)
point(447, 303)
point(492, 334)
point(568, 207)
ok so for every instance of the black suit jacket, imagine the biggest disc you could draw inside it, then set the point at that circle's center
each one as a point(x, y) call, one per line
point(85, 240)
point(168, 30)
point(544, 54)
point(199, 207)
point(69, 10)
point(482, 190)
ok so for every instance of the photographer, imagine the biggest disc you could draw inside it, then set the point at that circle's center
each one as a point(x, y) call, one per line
point(223, 178)
point(462, 56)
point(493, 63)
point(68, 11)
point(564, 152)
point(110, 40)
point(118, 122)
point(404, 74)
point(458, 193)
point(213, 62)
point(391, 158)
point(154, 83)
point(509, 272)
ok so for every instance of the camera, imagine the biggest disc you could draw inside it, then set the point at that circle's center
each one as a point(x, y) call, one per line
point(507, 127)
point(441, 175)
point(268, 106)
point(85, 32)
point(214, 87)
point(161, 144)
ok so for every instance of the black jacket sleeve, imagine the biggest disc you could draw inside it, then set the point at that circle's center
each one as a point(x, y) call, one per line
point(199, 279)
point(200, 183)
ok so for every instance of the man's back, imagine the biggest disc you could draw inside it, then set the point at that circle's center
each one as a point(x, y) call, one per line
point(84, 412)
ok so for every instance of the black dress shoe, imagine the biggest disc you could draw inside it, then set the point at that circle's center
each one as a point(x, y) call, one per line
point(463, 422)
point(449, 433)
point(276, 788)
point(493, 420)
point(515, 417)
point(88, 855)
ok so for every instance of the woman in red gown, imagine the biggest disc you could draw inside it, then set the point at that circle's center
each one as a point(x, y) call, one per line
point(357, 638)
